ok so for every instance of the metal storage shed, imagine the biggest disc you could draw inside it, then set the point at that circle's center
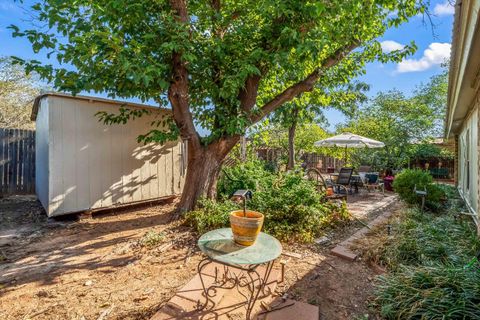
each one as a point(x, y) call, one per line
point(83, 164)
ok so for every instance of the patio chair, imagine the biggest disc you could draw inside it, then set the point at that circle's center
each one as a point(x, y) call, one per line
point(323, 184)
point(345, 178)
point(372, 182)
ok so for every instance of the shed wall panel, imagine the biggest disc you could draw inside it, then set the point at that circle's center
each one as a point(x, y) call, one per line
point(82, 163)
point(41, 158)
point(94, 165)
point(57, 192)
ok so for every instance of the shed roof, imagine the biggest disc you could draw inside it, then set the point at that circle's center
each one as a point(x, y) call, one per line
point(37, 100)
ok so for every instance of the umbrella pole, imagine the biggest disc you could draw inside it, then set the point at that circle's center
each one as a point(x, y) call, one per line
point(345, 155)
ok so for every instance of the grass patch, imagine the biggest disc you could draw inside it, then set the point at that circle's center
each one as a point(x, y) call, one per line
point(435, 292)
point(423, 239)
point(427, 255)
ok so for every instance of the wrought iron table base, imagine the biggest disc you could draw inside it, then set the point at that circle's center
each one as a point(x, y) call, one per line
point(229, 280)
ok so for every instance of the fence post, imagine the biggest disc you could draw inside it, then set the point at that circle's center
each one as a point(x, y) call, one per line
point(2, 160)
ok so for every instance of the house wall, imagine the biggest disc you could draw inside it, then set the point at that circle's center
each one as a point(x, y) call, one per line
point(41, 153)
point(94, 166)
point(468, 165)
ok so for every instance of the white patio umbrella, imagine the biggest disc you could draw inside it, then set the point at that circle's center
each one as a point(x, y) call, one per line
point(351, 140)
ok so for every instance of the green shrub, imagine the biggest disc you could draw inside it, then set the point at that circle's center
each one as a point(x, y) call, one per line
point(210, 215)
point(293, 208)
point(248, 175)
point(405, 182)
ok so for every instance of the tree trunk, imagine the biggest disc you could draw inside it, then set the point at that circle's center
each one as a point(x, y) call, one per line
point(203, 169)
point(291, 140)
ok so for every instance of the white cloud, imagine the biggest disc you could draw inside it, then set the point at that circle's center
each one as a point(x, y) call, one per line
point(436, 54)
point(443, 9)
point(389, 46)
point(9, 7)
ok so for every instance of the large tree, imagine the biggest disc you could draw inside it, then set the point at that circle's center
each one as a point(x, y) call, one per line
point(17, 91)
point(400, 121)
point(309, 108)
point(220, 64)
point(434, 95)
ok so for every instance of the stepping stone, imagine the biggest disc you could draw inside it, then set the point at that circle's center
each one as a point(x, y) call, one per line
point(297, 311)
point(344, 253)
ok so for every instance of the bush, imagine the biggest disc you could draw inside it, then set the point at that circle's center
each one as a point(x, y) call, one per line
point(405, 182)
point(210, 215)
point(292, 206)
point(248, 175)
point(294, 209)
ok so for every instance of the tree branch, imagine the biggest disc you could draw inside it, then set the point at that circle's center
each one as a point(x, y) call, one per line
point(178, 91)
point(248, 94)
point(215, 5)
point(305, 85)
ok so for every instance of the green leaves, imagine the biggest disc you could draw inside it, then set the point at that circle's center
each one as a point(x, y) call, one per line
point(125, 49)
point(400, 121)
point(122, 116)
point(294, 209)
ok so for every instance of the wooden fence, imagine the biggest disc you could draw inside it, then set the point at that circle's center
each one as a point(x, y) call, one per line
point(17, 161)
point(322, 162)
point(310, 160)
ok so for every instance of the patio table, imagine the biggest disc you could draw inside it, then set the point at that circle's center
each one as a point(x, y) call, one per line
point(219, 247)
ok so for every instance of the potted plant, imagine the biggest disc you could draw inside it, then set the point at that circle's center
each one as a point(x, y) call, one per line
point(245, 224)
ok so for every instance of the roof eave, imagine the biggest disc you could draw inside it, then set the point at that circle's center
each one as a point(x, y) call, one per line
point(453, 68)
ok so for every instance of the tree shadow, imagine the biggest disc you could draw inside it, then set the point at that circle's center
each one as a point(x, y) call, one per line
point(103, 243)
point(152, 152)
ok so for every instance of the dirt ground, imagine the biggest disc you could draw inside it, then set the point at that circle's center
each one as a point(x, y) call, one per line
point(101, 268)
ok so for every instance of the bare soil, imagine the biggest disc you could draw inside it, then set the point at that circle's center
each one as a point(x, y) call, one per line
point(99, 268)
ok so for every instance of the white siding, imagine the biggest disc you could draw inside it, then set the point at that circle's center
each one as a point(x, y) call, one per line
point(468, 160)
point(94, 166)
point(41, 157)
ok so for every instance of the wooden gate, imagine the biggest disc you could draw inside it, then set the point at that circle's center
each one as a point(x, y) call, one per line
point(17, 161)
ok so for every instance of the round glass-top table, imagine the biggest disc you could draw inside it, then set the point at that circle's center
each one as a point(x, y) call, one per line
point(219, 247)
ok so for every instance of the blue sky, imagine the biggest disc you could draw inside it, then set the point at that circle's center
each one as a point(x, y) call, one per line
point(433, 47)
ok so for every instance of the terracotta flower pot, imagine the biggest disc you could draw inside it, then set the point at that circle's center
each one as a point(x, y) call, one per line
point(245, 229)
point(329, 191)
